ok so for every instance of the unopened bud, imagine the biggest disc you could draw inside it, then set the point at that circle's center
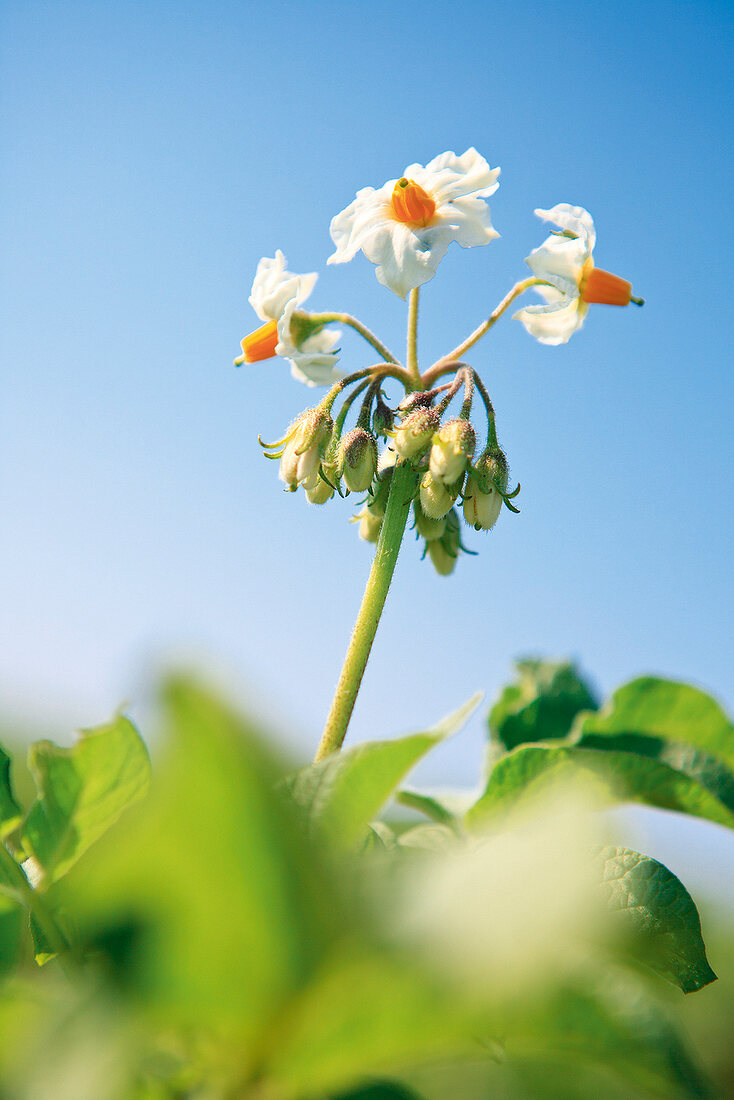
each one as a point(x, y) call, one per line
point(378, 503)
point(416, 432)
point(491, 470)
point(453, 446)
point(485, 484)
point(443, 552)
point(382, 419)
point(305, 443)
point(428, 528)
point(436, 498)
point(358, 459)
point(322, 489)
point(369, 525)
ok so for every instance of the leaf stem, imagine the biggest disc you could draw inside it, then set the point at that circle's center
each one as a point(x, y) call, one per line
point(444, 364)
point(367, 334)
point(397, 510)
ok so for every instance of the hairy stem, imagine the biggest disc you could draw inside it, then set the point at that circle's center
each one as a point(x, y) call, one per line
point(445, 362)
point(383, 566)
point(367, 334)
point(411, 361)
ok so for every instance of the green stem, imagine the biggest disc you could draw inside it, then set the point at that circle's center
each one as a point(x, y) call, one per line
point(411, 361)
point(35, 903)
point(445, 362)
point(367, 334)
point(402, 488)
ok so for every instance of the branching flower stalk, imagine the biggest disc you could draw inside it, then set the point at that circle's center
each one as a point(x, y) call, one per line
point(428, 464)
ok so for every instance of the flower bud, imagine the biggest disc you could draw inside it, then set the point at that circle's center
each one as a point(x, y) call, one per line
point(358, 459)
point(416, 432)
point(369, 525)
point(378, 503)
point(428, 528)
point(453, 446)
point(305, 442)
point(435, 497)
point(485, 484)
point(443, 552)
point(320, 490)
point(382, 419)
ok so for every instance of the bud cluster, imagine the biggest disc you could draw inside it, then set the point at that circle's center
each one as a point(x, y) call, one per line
point(318, 454)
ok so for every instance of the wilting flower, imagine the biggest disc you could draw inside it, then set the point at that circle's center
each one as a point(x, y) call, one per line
point(276, 297)
point(565, 261)
point(302, 447)
point(406, 225)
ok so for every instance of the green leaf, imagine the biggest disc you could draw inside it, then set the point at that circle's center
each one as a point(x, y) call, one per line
point(446, 808)
point(619, 776)
point(343, 792)
point(11, 926)
point(542, 705)
point(9, 813)
point(660, 914)
point(211, 903)
point(81, 792)
point(664, 708)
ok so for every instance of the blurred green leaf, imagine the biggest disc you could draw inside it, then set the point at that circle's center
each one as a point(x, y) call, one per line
point(620, 776)
point(659, 912)
point(344, 791)
point(445, 808)
point(82, 791)
point(541, 705)
point(210, 903)
point(664, 708)
point(11, 926)
point(9, 812)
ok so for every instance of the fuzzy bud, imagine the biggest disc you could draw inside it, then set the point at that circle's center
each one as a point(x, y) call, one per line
point(428, 528)
point(436, 498)
point(443, 552)
point(358, 459)
point(453, 447)
point(416, 432)
point(485, 484)
point(382, 419)
point(305, 443)
point(369, 525)
point(320, 490)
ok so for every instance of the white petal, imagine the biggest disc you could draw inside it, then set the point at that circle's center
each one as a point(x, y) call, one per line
point(559, 257)
point(453, 177)
point(350, 228)
point(407, 258)
point(273, 287)
point(572, 219)
point(313, 361)
point(556, 322)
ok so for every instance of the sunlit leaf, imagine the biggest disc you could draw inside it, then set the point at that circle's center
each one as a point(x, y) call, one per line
point(664, 708)
point(11, 924)
point(82, 791)
point(619, 776)
point(660, 914)
point(345, 791)
point(9, 812)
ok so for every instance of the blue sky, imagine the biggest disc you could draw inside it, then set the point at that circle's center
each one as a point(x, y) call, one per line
point(153, 152)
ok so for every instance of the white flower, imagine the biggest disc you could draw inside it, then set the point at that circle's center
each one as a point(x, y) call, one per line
point(276, 297)
point(565, 261)
point(406, 225)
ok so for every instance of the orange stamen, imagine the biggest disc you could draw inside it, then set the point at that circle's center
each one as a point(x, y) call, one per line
point(605, 288)
point(261, 343)
point(411, 203)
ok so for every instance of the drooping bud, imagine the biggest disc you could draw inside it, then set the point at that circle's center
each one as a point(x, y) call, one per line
point(382, 419)
point(305, 444)
point(453, 447)
point(427, 528)
point(260, 344)
point(436, 498)
point(327, 476)
point(485, 484)
point(358, 459)
point(411, 203)
point(369, 525)
point(416, 432)
point(444, 551)
point(378, 503)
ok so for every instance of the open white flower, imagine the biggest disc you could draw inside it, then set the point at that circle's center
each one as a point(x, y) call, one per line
point(565, 261)
point(276, 297)
point(406, 225)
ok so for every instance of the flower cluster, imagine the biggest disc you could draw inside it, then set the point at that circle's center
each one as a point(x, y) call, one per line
point(404, 228)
